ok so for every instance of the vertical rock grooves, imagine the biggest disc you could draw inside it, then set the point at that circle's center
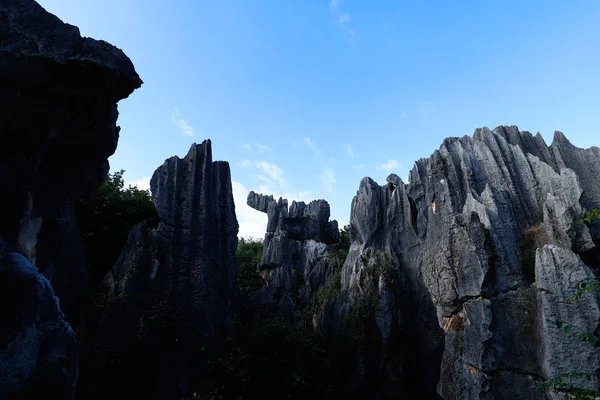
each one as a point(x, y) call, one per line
point(163, 309)
point(482, 241)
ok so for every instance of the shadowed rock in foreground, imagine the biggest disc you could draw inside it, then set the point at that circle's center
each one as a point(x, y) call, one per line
point(484, 255)
point(57, 129)
point(163, 309)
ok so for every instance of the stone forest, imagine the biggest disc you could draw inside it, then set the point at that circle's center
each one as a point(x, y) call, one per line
point(476, 279)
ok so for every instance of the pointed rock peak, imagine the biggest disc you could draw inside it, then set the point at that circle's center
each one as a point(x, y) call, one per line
point(560, 138)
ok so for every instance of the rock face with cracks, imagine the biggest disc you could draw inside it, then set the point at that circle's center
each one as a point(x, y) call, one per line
point(57, 129)
point(163, 309)
point(484, 255)
point(295, 250)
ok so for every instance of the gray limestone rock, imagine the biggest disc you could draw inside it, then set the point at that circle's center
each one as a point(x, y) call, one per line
point(38, 349)
point(295, 248)
point(170, 293)
point(462, 237)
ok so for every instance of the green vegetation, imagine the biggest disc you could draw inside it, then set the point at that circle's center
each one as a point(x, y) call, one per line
point(563, 383)
point(340, 251)
point(277, 359)
point(106, 218)
point(248, 254)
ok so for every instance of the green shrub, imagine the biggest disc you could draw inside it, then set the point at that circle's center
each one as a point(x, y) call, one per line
point(249, 254)
point(105, 219)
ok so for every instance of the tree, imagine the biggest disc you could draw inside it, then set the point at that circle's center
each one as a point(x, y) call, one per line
point(248, 254)
point(105, 219)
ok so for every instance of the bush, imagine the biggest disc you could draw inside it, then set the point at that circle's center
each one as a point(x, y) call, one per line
point(249, 254)
point(106, 218)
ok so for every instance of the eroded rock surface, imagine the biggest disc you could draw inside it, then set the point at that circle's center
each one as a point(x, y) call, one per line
point(163, 309)
point(295, 250)
point(483, 248)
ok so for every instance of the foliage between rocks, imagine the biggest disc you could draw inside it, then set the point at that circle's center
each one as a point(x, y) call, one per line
point(106, 218)
point(277, 359)
point(564, 383)
point(248, 254)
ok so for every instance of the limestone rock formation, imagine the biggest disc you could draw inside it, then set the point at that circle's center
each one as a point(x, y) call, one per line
point(295, 249)
point(38, 349)
point(164, 307)
point(484, 255)
point(57, 130)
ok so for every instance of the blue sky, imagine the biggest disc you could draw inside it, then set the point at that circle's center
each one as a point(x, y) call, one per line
point(306, 97)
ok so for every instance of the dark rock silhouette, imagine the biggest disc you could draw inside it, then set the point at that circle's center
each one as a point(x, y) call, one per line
point(163, 309)
point(57, 129)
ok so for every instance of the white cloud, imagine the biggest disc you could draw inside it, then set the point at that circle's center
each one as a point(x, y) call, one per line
point(343, 19)
point(273, 171)
point(247, 146)
point(358, 166)
point(333, 4)
point(142, 184)
point(349, 151)
point(313, 146)
point(181, 123)
point(252, 223)
point(263, 148)
point(246, 164)
point(390, 165)
point(328, 180)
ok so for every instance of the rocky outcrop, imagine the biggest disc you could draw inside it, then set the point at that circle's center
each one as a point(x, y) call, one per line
point(163, 309)
point(58, 128)
point(38, 349)
point(483, 253)
point(295, 251)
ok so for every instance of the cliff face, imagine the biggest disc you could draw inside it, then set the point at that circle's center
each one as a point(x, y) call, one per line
point(57, 129)
point(485, 254)
point(163, 309)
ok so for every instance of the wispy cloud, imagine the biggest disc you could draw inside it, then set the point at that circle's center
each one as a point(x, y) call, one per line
point(252, 223)
point(313, 146)
point(247, 146)
point(328, 180)
point(142, 183)
point(246, 164)
point(333, 4)
point(349, 151)
point(343, 18)
point(273, 172)
point(181, 123)
point(390, 165)
point(263, 148)
point(358, 166)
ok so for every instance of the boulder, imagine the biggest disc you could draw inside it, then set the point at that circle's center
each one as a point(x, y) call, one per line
point(38, 348)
